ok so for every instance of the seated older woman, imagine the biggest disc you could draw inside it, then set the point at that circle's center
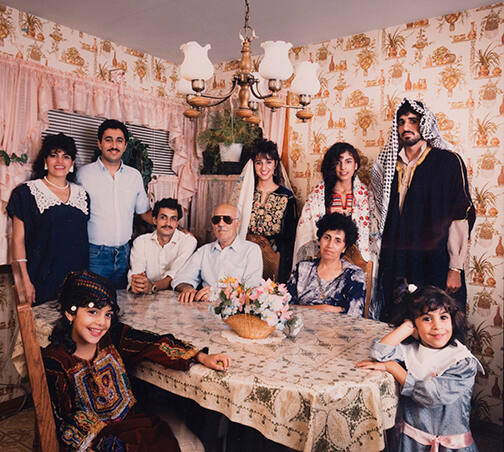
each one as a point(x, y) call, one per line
point(330, 283)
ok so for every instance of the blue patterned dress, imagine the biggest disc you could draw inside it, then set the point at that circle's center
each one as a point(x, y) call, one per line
point(347, 290)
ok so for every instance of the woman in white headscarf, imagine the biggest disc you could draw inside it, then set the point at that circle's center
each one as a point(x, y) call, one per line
point(268, 210)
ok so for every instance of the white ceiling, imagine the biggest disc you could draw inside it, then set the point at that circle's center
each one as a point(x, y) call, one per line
point(158, 27)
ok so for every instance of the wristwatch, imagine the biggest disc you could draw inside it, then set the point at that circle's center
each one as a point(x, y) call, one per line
point(154, 288)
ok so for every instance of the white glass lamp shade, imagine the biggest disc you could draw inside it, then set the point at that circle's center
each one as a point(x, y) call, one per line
point(196, 64)
point(184, 86)
point(276, 64)
point(306, 81)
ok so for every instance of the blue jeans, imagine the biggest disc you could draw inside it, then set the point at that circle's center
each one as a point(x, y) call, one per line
point(111, 262)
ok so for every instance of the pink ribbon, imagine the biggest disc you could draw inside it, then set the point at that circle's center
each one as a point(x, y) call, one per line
point(449, 441)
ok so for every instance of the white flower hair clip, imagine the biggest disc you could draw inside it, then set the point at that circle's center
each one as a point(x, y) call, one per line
point(73, 308)
point(90, 305)
point(412, 288)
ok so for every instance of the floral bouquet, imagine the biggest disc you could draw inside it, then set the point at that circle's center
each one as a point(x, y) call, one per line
point(254, 313)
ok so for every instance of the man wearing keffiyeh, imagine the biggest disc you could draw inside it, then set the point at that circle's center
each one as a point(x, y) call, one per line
point(423, 209)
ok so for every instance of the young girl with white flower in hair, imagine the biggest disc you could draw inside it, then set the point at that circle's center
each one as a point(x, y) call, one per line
point(87, 365)
point(426, 355)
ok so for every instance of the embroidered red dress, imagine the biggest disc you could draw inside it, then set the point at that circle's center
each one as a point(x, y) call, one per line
point(92, 400)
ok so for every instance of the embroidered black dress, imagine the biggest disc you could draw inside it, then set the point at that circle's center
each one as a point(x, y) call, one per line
point(414, 244)
point(276, 220)
point(56, 237)
point(93, 404)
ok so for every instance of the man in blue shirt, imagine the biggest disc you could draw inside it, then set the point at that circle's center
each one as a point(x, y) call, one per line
point(229, 255)
point(116, 192)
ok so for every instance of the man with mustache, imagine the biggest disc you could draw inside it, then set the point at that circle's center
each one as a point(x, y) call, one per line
point(157, 256)
point(116, 192)
point(423, 210)
point(229, 255)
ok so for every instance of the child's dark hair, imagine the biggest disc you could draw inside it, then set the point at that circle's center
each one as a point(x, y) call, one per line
point(82, 289)
point(412, 303)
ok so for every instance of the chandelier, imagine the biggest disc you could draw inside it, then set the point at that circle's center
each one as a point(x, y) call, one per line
point(274, 68)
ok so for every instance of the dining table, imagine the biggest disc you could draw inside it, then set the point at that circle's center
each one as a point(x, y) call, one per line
point(303, 392)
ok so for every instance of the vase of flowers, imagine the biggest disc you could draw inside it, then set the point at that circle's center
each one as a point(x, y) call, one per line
point(254, 313)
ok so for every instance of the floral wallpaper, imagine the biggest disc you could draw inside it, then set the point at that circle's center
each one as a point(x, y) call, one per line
point(41, 41)
point(454, 64)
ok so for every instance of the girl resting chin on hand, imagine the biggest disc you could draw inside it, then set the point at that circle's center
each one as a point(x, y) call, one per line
point(438, 374)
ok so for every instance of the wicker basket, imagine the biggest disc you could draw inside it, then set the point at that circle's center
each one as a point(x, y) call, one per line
point(249, 326)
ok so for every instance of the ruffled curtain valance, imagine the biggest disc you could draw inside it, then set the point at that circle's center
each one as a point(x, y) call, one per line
point(28, 91)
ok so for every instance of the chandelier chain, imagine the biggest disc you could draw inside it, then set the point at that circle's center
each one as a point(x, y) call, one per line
point(246, 27)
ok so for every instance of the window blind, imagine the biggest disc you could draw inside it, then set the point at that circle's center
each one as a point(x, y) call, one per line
point(83, 129)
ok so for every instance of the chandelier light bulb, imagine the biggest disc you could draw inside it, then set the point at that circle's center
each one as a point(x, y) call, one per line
point(275, 64)
point(306, 81)
point(196, 64)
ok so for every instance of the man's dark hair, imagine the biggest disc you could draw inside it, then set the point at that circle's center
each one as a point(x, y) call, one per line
point(112, 124)
point(53, 143)
point(406, 108)
point(168, 203)
point(338, 222)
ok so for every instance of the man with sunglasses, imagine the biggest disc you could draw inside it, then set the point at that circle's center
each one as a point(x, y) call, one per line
point(229, 255)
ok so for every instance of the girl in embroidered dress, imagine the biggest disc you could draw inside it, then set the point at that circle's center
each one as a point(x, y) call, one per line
point(50, 217)
point(268, 210)
point(341, 191)
point(86, 364)
point(438, 374)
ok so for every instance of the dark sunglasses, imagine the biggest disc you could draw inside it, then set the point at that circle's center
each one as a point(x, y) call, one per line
point(216, 219)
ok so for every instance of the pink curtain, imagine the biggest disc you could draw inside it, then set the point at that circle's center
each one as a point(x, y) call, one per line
point(28, 91)
point(273, 124)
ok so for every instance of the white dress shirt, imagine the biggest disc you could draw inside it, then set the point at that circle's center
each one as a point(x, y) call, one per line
point(158, 262)
point(242, 259)
point(114, 201)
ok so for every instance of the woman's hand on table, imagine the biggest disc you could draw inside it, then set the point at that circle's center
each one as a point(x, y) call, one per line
point(217, 361)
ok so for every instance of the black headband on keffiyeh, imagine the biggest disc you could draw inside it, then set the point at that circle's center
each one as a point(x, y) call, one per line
point(86, 289)
point(382, 173)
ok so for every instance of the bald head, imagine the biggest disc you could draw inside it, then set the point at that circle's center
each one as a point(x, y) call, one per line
point(227, 225)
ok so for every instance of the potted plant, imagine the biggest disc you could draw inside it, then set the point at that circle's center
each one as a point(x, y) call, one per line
point(225, 138)
point(136, 156)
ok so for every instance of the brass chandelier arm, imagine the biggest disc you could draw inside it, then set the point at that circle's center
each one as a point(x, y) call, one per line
point(224, 97)
point(257, 94)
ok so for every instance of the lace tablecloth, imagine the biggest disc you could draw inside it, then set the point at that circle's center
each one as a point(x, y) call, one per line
point(305, 394)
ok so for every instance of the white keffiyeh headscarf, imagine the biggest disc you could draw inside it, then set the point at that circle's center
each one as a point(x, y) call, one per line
point(382, 173)
point(382, 176)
